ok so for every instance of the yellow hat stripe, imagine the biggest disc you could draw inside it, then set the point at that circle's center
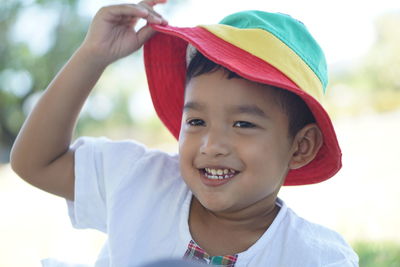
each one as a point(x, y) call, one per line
point(269, 48)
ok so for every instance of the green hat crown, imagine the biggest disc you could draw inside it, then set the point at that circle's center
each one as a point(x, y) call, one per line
point(290, 31)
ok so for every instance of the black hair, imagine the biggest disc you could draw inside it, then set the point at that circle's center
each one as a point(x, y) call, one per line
point(297, 111)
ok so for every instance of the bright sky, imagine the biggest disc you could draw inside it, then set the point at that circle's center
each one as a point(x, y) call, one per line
point(343, 28)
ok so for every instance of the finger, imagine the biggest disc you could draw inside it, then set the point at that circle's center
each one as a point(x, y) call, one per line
point(151, 18)
point(130, 20)
point(148, 4)
point(153, 2)
point(120, 11)
point(155, 18)
point(145, 33)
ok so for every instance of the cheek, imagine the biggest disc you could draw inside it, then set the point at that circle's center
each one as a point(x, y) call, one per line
point(187, 152)
point(268, 158)
point(184, 145)
point(189, 142)
point(255, 148)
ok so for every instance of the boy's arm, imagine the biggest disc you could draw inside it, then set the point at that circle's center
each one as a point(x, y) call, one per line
point(41, 153)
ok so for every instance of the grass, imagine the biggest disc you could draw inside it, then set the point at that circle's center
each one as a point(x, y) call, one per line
point(378, 254)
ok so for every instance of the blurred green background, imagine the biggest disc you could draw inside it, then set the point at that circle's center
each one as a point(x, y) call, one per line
point(38, 37)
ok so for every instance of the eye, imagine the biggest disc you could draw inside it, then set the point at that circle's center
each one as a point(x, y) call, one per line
point(196, 122)
point(244, 124)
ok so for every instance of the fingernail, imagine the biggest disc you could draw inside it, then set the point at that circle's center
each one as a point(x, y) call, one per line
point(144, 10)
point(158, 20)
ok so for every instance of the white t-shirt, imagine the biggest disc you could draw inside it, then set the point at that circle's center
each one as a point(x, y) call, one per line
point(138, 198)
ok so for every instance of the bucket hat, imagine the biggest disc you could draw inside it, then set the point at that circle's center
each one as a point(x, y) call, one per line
point(269, 48)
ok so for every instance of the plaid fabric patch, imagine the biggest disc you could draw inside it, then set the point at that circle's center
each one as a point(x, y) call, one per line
point(196, 253)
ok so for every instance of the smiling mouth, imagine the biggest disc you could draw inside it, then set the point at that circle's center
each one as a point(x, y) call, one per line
point(218, 174)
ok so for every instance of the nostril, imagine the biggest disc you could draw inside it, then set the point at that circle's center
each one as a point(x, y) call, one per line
point(215, 145)
point(214, 151)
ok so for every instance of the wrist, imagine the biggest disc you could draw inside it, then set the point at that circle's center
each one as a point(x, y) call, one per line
point(91, 57)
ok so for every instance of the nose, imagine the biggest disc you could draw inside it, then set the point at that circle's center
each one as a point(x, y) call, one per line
point(215, 143)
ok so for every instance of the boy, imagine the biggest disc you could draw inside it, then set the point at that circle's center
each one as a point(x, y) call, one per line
point(242, 101)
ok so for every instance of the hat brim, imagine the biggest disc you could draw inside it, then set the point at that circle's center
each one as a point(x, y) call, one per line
point(165, 64)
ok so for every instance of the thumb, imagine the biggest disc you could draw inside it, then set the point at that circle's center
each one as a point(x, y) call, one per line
point(145, 33)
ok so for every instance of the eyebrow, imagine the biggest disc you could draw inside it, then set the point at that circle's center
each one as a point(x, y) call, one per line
point(239, 109)
point(249, 109)
point(193, 106)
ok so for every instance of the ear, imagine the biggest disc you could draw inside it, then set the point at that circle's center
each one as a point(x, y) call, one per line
point(306, 145)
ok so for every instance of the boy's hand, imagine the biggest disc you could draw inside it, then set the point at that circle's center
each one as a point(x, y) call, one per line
point(112, 35)
point(41, 155)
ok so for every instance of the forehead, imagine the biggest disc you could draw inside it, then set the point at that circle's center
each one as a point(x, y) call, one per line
point(215, 88)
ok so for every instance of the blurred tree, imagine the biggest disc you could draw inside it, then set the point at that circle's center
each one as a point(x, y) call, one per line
point(382, 65)
point(373, 84)
point(37, 38)
point(26, 65)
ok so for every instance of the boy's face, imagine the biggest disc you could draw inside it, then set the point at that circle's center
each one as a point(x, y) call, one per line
point(234, 145)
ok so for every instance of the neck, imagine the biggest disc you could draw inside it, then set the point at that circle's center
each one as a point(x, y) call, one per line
point(256, 218)
point(229, 233)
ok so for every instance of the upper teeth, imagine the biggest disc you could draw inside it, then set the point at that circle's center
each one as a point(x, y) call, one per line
point(219, 173)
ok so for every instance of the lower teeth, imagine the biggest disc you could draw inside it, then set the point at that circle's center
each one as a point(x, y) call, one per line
point(218, 177)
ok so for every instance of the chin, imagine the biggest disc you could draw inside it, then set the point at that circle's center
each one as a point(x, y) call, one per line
point(215, 204)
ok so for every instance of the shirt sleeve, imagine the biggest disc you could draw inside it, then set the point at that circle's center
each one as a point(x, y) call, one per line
point(100, 165)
